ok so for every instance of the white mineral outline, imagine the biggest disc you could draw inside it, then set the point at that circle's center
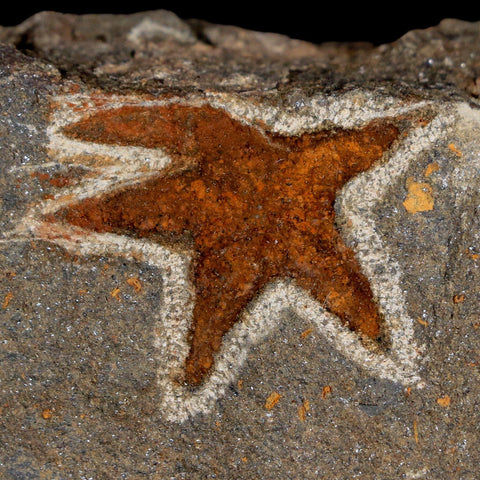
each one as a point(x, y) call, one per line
point(113, 167)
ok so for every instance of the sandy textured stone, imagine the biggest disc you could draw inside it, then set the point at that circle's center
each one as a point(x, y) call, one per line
point(94, 325)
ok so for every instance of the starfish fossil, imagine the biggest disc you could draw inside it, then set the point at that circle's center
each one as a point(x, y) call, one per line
point(252, 205)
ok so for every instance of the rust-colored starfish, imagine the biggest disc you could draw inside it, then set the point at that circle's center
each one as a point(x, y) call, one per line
point(255, 205)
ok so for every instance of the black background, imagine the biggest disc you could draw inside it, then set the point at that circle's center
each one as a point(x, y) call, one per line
point(315, 21)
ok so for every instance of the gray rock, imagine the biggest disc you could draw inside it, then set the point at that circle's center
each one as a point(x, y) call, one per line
point(94, 327)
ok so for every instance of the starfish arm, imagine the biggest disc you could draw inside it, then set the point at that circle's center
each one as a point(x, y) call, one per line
point(140, 126)
point(224, 284)
point(338, 156)
point(189, 134)
point(359, 151)
point(335, 279)
point(160, 205)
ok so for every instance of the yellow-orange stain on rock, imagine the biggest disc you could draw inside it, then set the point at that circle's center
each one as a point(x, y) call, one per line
point(303, 410)
point(455, 150)
point(135, 283)
point(326, 391)
point(252, 205)
point(306, 333)
point(115, 293)
point(47, 413)
point(422, 322)
point(272, 400)
point(444, 401)
point(459, 298)
point(419, 197)
point(431, 168)
point(7, 299)
point(415, 432)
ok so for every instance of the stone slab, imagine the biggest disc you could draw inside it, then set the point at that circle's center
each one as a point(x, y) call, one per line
point(94, 325)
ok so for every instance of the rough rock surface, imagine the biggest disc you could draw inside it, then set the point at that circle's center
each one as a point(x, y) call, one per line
point(95, 325)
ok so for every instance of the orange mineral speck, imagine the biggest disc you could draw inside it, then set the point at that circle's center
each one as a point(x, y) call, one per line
point(306, 333)
point(7, 299)
point(272, 400)
point(254, 206)
point(115, 293)
point(419, 198)
point(455, 150)
point(415, 432)
point(326, 391)
point(431, 168)
point(303, 410)
point(444, 401)
point(422, 322)
point(47, 413)
point(459, 298)
point(135, 283)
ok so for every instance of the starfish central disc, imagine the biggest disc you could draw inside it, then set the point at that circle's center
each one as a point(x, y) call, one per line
point(253, 205)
